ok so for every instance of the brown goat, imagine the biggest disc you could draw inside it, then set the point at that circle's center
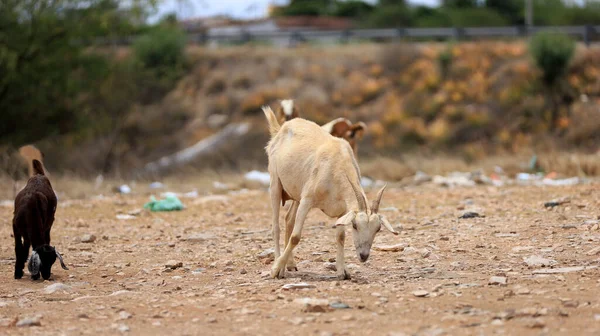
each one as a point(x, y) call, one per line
point(18, 163)
point(35, 207)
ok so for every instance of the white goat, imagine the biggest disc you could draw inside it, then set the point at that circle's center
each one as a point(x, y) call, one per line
point(317, 170)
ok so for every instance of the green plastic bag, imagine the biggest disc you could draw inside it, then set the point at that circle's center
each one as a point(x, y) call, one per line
point(170, 203)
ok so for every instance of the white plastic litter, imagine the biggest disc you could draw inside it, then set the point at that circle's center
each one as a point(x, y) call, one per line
point(258, 176)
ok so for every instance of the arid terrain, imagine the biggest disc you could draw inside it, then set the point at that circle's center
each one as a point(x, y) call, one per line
point(200, 271)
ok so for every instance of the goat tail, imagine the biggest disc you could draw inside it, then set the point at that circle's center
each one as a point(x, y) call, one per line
point(38, 167)
point(272, 119)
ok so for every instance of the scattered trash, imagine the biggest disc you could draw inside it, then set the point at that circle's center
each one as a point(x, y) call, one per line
point(366, 182)
point(156, 185)
point(123, 189)
point(169, 203)
point(257, 176)
point(561, 182)
point(191, 194)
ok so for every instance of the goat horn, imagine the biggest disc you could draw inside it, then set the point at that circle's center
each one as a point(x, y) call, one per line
point(62, 263)
point(362, 202)
point(377, 200)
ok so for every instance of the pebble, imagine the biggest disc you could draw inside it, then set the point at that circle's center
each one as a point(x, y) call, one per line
point(420, 293)
point(311, 305)
point(173, 264)
point(339, 305)
point(243, 271)
point(300, 285)
point(469, 214)
point(88, 238)
point(390, 248)
point(537, 261)
point(123, 315)
point(536, 324)
point(267, 254)
point(211, 320)
point(123, 328)
point(330, 266)
point(29, 322)
point(199, 237)
point(497, 280)
point(593, 251)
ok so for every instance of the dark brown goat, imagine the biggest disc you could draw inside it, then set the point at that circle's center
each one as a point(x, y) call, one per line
point(35, 206)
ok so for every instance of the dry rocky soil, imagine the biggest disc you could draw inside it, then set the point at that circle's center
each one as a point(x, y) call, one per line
point(520, 268)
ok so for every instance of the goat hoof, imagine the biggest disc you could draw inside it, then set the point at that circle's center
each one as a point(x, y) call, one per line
point(278, 272)
point(35, 277)
point(344, 275)
point(18, 274)
point(291, 266)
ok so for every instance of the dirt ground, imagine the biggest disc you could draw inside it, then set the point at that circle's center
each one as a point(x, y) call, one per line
point(122, 283)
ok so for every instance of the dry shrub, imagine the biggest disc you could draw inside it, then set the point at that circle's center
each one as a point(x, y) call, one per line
point(386, 169)
point(242, 81)
point(396, 57)
point(584, 127)
point(252, 103)
point(216, 85)
point(572, 164)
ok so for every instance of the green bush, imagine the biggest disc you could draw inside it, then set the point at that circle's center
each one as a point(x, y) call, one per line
point(162, 50)
point(552, 53)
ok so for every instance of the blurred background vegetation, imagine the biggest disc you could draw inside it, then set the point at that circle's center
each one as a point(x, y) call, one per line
point(111, 109)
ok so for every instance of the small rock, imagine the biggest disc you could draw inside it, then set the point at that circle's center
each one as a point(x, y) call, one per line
point(497, 280)
point(330, 266)
point(123, 315)
point(523, 291)
point(211, 320)
point(56, 287)
point(173, 264)
point(420, 293)
point(536, 324)
point(267, 254)
point(339, 305)
point(199, 237)
point(390, 248)
point(593, 251)
point(469, 214)
point(88, 238)
point(29, 322)
point(296, 321)
point(537, 261)
point(123, 328)
point(348, 318)
point(300, 285)
point(243, 271)
point(310, 305)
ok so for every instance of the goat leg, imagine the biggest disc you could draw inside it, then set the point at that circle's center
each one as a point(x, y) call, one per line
point(278, 269)
point(290, 219)
point(20, 259)
point(340, 265)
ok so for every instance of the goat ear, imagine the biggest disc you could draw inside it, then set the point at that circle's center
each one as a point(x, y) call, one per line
point(345, 219)
point(62, 263)
point(387, 224)
point(358, 129)
point(340, 128)
point(34, 263)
